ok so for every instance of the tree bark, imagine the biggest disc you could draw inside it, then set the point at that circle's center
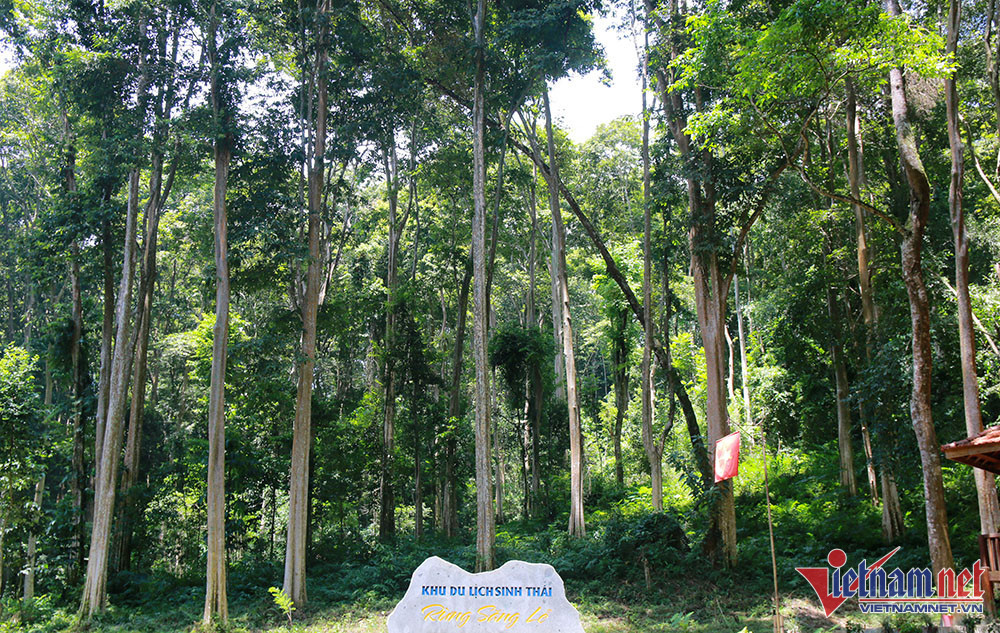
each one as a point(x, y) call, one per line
point(216, 602)
point(911, 248)
point(485, 526)
point(577, 523)
point(986, 489)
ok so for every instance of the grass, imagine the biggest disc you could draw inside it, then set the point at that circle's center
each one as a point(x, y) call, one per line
point(353, 589)
point(687, 605)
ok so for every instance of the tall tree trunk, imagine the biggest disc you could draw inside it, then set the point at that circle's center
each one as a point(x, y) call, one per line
point(992, 67)
point(500, 480)
point(557, 318)
point(843, 393)
point(855, 175)
point(32, 548)
point(711, 289)
point(297, 536)
point(558, 360)
point(986, 489)
point(216, 602)
point(621, 372)
point(648, 412)
point(892, 513)
point(731, 365)
point(577, 524)
point(920, 396)
point(485, 526)
point(450, 505)
point(710, 300)
point(133, 444)
point(387, 503)
point(418, 498)
point(94, 597)
point(109, 431)
point(535, 379)
point(744, 369)
point(78, 481)
point(107, 331)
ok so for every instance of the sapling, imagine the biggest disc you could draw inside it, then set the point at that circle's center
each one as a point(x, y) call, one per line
point(284, 603)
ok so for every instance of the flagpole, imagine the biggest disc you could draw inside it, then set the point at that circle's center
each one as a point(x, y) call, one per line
point(778, 627)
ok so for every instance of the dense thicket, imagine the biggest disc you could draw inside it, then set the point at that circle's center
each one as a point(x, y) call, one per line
point(317, 278)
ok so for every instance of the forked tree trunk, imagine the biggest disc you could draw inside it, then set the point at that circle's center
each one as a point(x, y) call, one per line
point(920, 396)
point(94, 597)
point(711, 289)
point(986, 489)
point(216, 602)
point(109, 428)
point(577, 524)
point(485, 526)
point(710, 300)
point(133, 444)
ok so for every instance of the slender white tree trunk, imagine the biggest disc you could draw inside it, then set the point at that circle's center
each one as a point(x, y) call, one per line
point(577, 524)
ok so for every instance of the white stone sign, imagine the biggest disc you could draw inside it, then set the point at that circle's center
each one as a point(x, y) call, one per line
point(517, 598)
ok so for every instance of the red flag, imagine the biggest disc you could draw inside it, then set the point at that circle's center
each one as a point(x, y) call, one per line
point(727, 457)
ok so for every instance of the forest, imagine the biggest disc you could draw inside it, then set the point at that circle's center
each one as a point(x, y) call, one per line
point(295, 294)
